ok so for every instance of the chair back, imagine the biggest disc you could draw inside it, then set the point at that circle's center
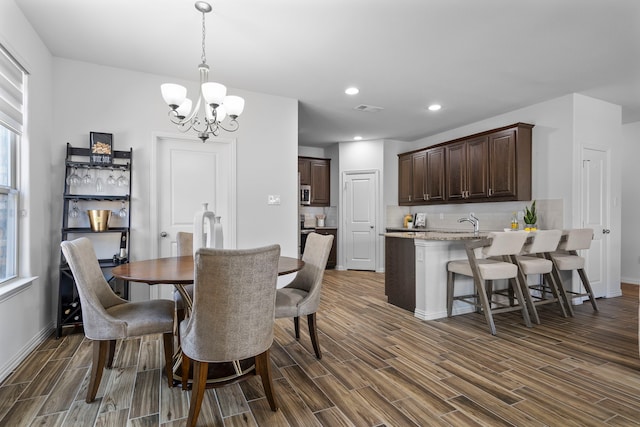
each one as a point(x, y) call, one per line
point(234, 304)
point(184, 242)
point(577, 239)
point(505, 243)
point(543, 241)
point(309, 278)
point(95, 293)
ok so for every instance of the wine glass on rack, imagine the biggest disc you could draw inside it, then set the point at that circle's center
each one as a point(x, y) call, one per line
point(122, 213)
point(111, 179)
point(123, 181)
point(74, 178)
point(87, 178)
point(74, 212)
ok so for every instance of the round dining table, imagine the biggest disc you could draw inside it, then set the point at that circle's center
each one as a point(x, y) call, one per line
point(179, 271)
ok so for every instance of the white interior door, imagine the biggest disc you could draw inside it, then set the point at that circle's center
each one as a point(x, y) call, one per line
point(360, 220)
point(190, 173)
point(595, 215)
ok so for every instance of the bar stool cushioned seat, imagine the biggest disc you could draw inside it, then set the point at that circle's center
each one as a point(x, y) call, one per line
point(566, 258)
point(497, 245)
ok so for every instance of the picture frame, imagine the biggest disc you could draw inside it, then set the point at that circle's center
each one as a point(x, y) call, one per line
point(421, 220)
point(101, 148)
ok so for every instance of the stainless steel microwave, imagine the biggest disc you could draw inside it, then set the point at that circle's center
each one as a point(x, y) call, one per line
point(305, 194)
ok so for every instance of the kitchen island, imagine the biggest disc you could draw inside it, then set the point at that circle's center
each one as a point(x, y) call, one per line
point(417, 261)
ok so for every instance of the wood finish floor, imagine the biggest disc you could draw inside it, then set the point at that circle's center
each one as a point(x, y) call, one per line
point(381, 366)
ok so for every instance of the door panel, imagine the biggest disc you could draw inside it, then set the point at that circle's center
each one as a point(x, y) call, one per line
point(360, 214)
point(595, 200)
point(190, 174)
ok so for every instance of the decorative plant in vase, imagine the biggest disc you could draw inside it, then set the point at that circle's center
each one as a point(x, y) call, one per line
point(530, 217)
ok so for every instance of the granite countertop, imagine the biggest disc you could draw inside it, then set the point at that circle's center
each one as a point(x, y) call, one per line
point(443, 235)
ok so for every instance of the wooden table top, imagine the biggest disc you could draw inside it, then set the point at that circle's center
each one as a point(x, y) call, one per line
point(179, 270)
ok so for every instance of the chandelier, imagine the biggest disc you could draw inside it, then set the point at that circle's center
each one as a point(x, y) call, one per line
point(212, 98)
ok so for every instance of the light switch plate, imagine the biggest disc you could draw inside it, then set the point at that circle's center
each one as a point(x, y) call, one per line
point(273, 199)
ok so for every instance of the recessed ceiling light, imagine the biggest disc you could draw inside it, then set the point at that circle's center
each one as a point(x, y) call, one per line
point(435, 107)
point(352, 91)
point(357, 138)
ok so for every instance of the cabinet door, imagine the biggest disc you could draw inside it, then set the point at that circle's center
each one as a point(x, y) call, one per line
point(435, 175)
point(320, 183)
point(419, 175)
point(477, 164)
point(456, 157)
point(304, 169)
point(405, 174)
point(502, 164)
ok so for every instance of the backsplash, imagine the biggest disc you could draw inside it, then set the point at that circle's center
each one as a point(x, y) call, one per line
point(310, 212)
point(493, 216)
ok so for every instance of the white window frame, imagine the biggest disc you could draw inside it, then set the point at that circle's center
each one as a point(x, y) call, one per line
point(13, 83)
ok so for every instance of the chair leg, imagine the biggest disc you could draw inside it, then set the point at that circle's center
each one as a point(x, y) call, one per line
point(551, 282)
point(200, 370)
point(186, 365)
point(296, 326)
point(263, 368)
point(517, 290)
point(313, 333)
point(168, 356)
point(560, 285)
point(524, 286)
point(100, 349)
point(110, 353)
point(587, 286)
point(450, 280)
point(486, 305)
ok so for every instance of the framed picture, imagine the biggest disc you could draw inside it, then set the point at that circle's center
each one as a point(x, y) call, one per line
point(101, 148)
point(421, 220)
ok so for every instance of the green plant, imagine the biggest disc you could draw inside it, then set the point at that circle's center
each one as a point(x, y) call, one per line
point(530, 215)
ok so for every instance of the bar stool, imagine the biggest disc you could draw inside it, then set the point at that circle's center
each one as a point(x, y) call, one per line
point(531, 261)
point(566, 258)
point(499, 246)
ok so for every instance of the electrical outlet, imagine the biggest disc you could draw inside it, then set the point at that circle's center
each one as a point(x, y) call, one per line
point(273, 199)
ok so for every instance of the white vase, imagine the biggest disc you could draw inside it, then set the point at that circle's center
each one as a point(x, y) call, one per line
point(217, 233)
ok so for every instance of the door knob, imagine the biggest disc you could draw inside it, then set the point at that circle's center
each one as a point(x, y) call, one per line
point(606, 231)
point(163, 234)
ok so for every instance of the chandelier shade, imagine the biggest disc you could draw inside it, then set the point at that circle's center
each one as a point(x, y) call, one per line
point(213, 103)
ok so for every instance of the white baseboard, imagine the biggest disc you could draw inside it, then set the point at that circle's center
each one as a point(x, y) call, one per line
point(35, 341)
point(633, 281)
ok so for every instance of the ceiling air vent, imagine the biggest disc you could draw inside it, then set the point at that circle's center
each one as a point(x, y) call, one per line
point(368, 108)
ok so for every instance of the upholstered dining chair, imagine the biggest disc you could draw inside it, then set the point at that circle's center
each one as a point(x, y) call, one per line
point(302, 296)
point(566, 258)
point(107, 317)
point(490, 263)
point(184, 242)
point(232, 317)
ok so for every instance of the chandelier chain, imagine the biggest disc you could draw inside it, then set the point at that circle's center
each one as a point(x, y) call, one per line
point(204, 57)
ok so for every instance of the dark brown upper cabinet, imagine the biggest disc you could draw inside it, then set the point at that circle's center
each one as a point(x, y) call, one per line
point(316, 173)
point(490, 166)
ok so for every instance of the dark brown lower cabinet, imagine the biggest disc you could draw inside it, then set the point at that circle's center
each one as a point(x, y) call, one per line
point(333, 258)
point(400, 272)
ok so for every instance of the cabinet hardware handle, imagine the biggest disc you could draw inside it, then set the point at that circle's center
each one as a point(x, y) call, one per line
point(606, 231)
point(428, 197)
point(490, 192)
point(409, 197)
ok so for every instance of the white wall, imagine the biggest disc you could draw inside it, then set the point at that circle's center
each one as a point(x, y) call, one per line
point(630, 259)
point(27, 317)
point(363, 156)
point(128, 104)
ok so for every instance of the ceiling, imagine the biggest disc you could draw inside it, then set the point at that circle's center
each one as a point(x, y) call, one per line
point(477, 58)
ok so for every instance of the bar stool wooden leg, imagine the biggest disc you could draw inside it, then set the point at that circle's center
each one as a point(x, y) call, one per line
point(587, 286)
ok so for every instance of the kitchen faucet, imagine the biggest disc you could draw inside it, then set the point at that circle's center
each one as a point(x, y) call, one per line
point(473, 220)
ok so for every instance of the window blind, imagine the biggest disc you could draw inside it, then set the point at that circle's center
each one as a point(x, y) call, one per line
point(11, 92)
